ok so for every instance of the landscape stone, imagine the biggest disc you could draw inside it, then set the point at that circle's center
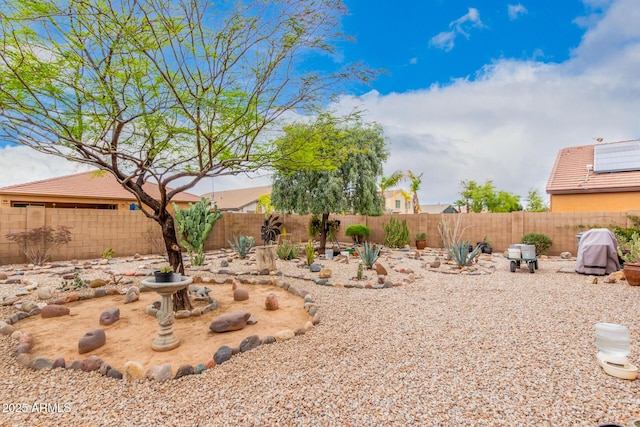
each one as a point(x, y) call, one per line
point(284, 335)
point(230, 322)
point(133, 294)
point(23, 359)
point(271, 302)
point(380, 269)
point(22, 348)
point(5, 328)
point(91, 363)
point(210, 363)
point(104, 368)
point(200, 368)
point(315, 268)
point(565, 255)
point(240, 294)
point(268, 339)
point(9, 300)
point(182, 314)
point(3, 276)
point(249, 343)
point(44, 293)
point(76, 365)
point(133, 371)
point(184, 370)
point(99, 292)
point(59, 363)
point(325, 273)
point(92, 340)
point(16, 317)
point(110, 316)
point(40, 362)
point(160, 373)
point(223, 354)
point(114, 373)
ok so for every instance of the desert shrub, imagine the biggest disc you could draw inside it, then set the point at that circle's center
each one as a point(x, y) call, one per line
point(358, 232)
point(242, 245)
point(396, 234)
point(287, 251)
point(540, 241)
point(38, 243)
point(310, 251)
point(457, 248)
point(368, 254)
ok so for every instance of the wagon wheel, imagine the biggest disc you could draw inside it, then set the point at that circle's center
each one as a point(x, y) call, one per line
point(532, 267)
point(518, 263)
point(513, 266)
point(536, 264)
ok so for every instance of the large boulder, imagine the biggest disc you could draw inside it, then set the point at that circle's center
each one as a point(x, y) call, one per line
point(230, 321)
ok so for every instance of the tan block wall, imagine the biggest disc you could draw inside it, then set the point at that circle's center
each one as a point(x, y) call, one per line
point(130, 232)
point(596, 202)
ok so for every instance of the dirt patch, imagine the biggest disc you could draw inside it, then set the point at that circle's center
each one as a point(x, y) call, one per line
point(130, 337)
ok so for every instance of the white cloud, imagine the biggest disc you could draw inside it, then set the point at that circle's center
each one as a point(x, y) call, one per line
point(515, 10)
point(446, 39)
point(413, 61)
point(509, 123)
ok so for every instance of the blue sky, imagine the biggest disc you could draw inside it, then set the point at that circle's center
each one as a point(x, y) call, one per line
point(476, 90)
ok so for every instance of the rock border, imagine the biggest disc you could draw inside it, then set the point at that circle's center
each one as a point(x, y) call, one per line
point(134, 370)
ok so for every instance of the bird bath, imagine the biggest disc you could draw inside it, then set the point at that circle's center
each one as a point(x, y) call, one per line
point(166, 339)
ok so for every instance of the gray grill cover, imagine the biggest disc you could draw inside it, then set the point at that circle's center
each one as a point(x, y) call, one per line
point(598, 252)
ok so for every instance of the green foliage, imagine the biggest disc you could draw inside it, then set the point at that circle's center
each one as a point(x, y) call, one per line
point(535, 203)
point(287, 251)
point(623, 235)
point(477, 198)
point(359, 274)
point(315, 226)
point(456, 247)
point(242, 245)
point(108, 253)
point(195, 224)
point(368, 253)
point(460, 254)
point(77, 283)
point(310, 251)
point(38, 243)
point(540, 241)
point(421, 236)
point(166, 269)
point(630, 250)
point(358, 232)
point(396, 234)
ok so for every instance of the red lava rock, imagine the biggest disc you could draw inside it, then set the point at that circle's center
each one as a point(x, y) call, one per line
point(53, 310)
point(72, 297)
point(210, 363)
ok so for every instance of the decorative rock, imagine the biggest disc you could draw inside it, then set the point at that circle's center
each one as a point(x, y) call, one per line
point(110, 316)
point(3, 276)
point(58, 363)
point(76, 365)
point(196, 311)
point(249, 343)
point(9, 301)
point(93, 339)
point(230, 321)
point(435, 263)
point(160, 373)
point(5, 328)
point(315, 268)
point(308, 326)
point(114, 373)
point(381, 279)
point(223, 354)
point(151, 310)
point(182, 314)
point(99, 292)
point(44, 292)
point(104, 368)
point(565, 255)
point(183, 371)
point(16, 335)
point(210, 363)
point(40, 362)
point(271, 302)
point(224, 263)
point(300, 331)
point(240, 294)
point(26, 338)
point(200, 368)
point(325, 273)
point(22, 348)
point(133, 371)
point(252, 321)
point(23, 359)
point(268, 339)
point(16, 317)
point(72, 297)
point(284, 335)
point(97, 283)
point(133, 294)
point(91, 363)
point(380, 269)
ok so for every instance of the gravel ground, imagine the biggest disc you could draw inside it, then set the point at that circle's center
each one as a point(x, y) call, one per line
point(501, 349)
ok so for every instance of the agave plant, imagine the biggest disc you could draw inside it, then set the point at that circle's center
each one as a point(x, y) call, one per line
point(368, 253)
point(242, 245)
point(460, 254)
point(270, 229)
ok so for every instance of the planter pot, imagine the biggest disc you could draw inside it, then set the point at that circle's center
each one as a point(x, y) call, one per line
point(163, 277)
point(421, 244)
point(487, 250)
point(632, 273)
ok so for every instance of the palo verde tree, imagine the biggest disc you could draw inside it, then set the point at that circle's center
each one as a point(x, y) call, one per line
point(350, 187)
point(166, 91)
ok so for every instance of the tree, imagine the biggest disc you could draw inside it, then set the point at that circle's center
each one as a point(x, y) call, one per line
point(416, 180)
point(387, 182)
point(167, 91)
point(351, 187)
point(477, 198)
point(535, 202)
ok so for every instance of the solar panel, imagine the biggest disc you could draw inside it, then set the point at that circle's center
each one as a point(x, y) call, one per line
point(617, 157)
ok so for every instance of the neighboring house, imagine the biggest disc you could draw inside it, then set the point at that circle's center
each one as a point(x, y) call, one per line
point(242, 200)
point(395, 202)
point(88, 190)
point(596, 178)
point(438, 208)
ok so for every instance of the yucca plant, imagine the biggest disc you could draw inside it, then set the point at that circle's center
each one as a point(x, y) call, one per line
point(287, 251)
point(242, 245)
point(310, 251)
point(368, 253)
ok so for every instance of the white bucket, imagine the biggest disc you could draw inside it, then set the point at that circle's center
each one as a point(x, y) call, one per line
point(328, 253)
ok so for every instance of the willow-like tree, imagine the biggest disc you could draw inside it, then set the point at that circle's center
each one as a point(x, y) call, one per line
point(352, 187)
point(166, 91)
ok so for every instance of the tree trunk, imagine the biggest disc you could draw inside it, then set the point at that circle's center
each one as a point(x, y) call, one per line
point(174, 252)
point(323, 232)
point(266, 258)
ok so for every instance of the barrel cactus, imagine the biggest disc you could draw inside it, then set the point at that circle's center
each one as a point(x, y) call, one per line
point(195, 224)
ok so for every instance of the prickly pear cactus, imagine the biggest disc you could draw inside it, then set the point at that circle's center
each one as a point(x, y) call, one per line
point(195, 224)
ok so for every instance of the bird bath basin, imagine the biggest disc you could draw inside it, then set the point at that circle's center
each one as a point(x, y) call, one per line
point(166, 339)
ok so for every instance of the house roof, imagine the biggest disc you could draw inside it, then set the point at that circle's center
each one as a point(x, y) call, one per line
point(237, 199)
point(570, 175)
point(87, 185)
point(437, 208)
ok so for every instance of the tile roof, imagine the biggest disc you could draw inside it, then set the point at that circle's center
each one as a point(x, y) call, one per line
point(436, 208)
point(237, 199)
point(87, 184)
point(569, 174)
